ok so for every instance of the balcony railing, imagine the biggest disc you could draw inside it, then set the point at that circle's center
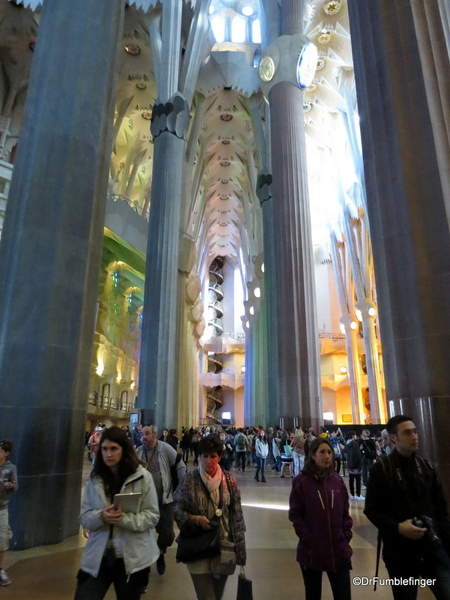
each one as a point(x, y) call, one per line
point(134, 205)
point(332, 336)
point(112, 404)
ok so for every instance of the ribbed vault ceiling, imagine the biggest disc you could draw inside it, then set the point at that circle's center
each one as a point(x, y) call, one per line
point(221, 211)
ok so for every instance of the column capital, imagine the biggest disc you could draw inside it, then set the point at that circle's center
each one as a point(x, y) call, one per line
point(366, 309)
point(173, 116)
point(347, 323)
point(291, 58)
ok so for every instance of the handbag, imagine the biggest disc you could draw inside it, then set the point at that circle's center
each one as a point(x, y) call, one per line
point(245, 587)
point(225, 562)
point(196, 543)
point(199, 544)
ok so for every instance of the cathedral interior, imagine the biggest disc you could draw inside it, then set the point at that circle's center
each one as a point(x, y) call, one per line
point(218, 211)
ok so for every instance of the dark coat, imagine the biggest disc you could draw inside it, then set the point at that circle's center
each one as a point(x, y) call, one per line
point(319, 511)
point(403, 488)
point(190, 499)
point(353, 455)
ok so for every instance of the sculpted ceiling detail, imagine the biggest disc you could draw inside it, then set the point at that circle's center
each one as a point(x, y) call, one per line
point(224, 152)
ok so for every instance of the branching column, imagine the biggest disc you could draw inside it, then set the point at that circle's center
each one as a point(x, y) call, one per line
point(360, 252)
point(346, 302)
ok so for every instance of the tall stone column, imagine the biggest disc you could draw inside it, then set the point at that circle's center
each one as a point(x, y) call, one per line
point(299, 389)
point(433, 39)
point(250, 377)
point(188, 293)
point(158, 366)
point(50, 262)
point(270, 298)
point(407, 215)
point(261, 403)
point(297, 335)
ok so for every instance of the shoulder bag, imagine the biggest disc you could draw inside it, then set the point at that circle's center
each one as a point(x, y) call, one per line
point(225, 562)
point(196, 543)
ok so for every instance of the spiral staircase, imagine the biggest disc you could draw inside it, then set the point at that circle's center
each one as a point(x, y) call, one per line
point(214, 394)
point(215, 297)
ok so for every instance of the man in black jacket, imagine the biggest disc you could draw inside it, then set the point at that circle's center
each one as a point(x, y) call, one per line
point(368, 454)
point(405, 501)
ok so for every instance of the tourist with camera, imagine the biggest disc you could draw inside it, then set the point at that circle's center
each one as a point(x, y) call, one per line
point(405, 501)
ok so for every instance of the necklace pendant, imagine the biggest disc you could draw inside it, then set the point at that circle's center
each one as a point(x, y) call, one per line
point(218, 512)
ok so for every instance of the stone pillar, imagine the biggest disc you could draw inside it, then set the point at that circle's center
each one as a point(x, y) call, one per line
point(298, 376)
point(260, 416)
point(50, 262)
point(298, 355)
point(157, 373)
point(360, 252)
point(408, 220)
point(186, 372)
point(249, 379)
point(346, 302)
point(444, 9)
point(432, 29)
point(270, 298)
point(354, 377)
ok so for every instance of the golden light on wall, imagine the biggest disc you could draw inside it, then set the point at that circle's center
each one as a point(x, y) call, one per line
point(100, 360)
point(119, 369)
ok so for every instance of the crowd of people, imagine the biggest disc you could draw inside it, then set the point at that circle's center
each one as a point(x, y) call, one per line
point(139, 486)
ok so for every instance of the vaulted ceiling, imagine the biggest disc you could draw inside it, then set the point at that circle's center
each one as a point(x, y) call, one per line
point(221, 211)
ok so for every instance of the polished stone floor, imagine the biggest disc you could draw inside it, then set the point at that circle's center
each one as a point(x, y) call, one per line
point(48, 573)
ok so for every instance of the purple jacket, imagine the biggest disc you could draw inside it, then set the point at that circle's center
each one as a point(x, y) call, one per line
point(318, 510)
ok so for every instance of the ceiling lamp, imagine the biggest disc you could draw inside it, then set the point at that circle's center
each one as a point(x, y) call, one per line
point(320, 63)
point(324, 36)
point(332, 7)
point(132, 49)
point(247, 11)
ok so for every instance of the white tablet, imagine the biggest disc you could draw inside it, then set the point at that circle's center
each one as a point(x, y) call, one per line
point(129, 502)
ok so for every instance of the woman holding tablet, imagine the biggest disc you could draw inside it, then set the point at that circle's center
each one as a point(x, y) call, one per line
point(121, 546)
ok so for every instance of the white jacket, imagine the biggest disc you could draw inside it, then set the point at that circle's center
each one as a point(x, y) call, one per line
point(139, 546)
point(262, 450)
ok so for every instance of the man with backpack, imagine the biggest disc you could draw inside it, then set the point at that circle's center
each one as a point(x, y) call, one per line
point(405, 501)
point(241, 445)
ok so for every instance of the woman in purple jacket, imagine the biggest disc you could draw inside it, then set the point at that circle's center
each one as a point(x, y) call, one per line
point(318, 509)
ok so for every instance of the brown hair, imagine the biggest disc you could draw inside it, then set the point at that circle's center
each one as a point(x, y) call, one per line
point(314, 446)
